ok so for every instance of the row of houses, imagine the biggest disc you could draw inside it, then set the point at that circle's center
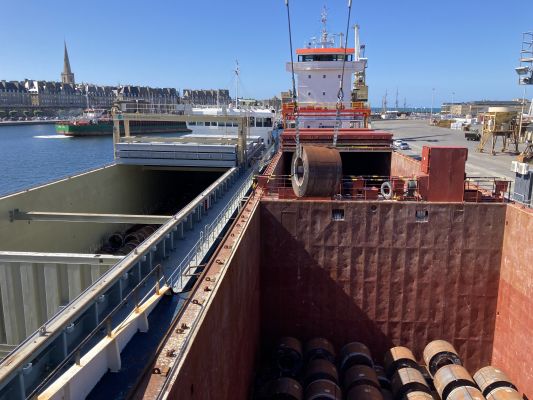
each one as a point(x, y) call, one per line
point(33, 93)
point(206, 97)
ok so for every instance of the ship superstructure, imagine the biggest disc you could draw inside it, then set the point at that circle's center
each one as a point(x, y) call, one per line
point(330, 77)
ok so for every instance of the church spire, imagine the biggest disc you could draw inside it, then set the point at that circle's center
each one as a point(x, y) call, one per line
point(66, 76)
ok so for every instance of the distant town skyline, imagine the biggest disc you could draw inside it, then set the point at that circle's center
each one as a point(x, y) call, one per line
point(411, 49)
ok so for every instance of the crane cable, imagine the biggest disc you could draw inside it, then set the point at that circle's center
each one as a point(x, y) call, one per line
point(294, 96)
point(340, 95)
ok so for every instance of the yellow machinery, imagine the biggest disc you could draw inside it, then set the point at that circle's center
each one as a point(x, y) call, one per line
point(499, 122)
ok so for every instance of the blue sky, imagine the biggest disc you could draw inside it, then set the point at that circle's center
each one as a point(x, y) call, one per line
point(469, 47)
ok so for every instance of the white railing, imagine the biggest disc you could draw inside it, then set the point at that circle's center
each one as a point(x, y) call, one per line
point(208, 236)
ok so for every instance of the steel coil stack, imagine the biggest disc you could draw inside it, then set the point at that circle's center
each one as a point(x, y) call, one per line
point(314, 372)
point(123, 243)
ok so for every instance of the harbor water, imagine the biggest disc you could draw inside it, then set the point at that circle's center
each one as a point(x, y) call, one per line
point(31, 155)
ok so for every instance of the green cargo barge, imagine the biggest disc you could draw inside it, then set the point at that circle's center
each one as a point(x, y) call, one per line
point(105, 127)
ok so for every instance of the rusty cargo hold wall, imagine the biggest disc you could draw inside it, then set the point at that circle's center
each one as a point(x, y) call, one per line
point(513, 342)
point(220, 361)
point(382, 276)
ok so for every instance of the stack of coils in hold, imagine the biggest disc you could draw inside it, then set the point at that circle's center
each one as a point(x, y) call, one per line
point(306, 371)
point(122, 243)
point(313, 372)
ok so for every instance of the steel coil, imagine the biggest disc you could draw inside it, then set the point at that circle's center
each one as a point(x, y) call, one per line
point(450, 377)
point(319, 348)
point(320, 369)
point(408, 380)
point(364, 392)
point(417, 395)
point(383, 380)
point(490, 378)
point(360, 375)
point(323, 389)
point(284, 389)
point(355, 353)
point(439, 353)
point(317, 172)
point(397, 358)
point(504, 393)
point(466, 393)
point(288, 354)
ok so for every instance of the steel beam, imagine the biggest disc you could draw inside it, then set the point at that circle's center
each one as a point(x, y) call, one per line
point(17, 215)
point(58, 258)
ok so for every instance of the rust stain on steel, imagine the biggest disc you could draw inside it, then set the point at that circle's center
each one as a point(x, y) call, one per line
point(380, 277)
point(227, 309)
point(513, 343)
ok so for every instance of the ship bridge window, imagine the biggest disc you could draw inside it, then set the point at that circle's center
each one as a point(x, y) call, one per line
point(325, 57)
point(268, 123)
point(251, 122)
point(200, 123)
point(209, 123)
point(259, 122)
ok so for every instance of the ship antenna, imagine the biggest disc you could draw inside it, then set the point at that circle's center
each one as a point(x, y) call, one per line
point(294, 96)
point(340, 96)
point(237, 73)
